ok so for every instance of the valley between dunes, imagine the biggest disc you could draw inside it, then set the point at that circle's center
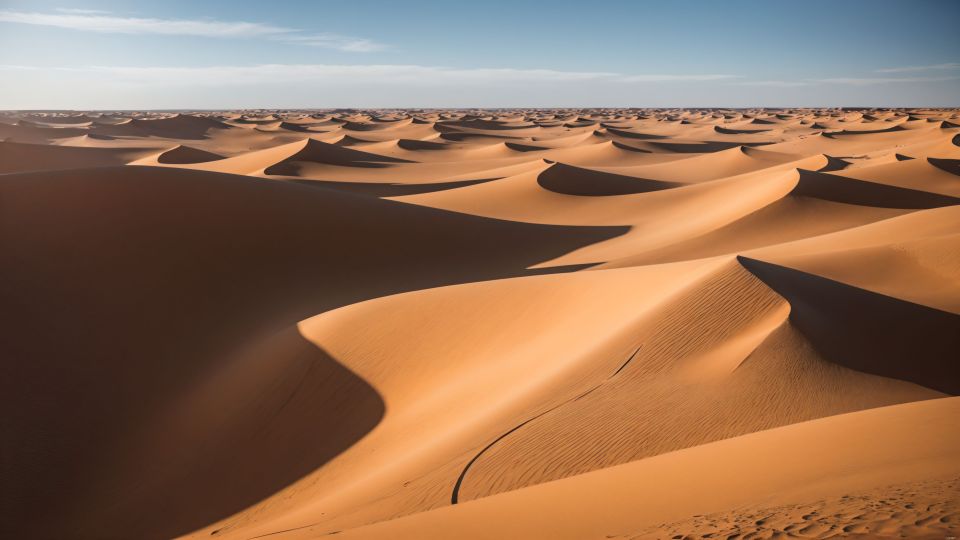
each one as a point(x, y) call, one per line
point(584, 324)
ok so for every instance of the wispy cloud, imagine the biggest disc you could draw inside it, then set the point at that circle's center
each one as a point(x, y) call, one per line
point(775, 83)
point(335, 74)
point(913, 69)
point(136, 25)
point(416, 75)
point(335, 41)
point(82, 11)
point(678, 78)
point(850, 81)
point(97, 21)
point(865, 81)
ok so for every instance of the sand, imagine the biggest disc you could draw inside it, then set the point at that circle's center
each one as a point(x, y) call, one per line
point(605, 323)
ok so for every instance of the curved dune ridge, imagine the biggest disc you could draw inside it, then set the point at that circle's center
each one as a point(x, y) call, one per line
point(592, 323)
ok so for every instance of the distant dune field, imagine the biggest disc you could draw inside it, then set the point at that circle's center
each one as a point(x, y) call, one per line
point(468, 324)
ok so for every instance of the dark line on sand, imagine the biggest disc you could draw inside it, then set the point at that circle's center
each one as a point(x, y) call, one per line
point(632, 356)
point(455, 496)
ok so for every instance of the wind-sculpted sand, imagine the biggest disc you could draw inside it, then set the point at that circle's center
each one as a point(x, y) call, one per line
point(603, 323)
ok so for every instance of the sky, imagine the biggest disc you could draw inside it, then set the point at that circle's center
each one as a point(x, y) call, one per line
point(226, 54)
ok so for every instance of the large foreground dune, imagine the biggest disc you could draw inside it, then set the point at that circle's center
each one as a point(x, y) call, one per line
point(480, 324)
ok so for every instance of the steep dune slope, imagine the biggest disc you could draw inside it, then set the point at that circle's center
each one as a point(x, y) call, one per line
point(23, 157)
point(174, 277)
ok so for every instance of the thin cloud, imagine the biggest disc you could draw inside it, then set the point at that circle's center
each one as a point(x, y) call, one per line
point(95, 21)
point(678, 78)
point(333, 73)
point(135, 25)
point(864, 81)
point(336, 74)
point(775, 83)
point(850, 81)
point(912, 69)
point(335, 41)
point(82, 11)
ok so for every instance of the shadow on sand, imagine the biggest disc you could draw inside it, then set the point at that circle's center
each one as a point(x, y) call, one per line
point(868, 331)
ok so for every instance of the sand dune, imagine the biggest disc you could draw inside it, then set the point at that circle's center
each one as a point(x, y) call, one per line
point(191, 245)
point(864, 193)
point(826, 461)
point(570, 180)
point(608, 323)
point(22, 157)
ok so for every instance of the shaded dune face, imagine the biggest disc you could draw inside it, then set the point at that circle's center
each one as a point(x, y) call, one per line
point(475, 324)
point(879, 332)
point(176, 277)
point(185, 154)
point(571, 180)
point(859, 192)
point(323, 153)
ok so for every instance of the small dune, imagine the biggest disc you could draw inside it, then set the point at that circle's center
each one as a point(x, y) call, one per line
point(182, 155)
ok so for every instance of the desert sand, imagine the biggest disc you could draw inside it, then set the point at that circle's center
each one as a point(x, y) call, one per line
point(384, 324)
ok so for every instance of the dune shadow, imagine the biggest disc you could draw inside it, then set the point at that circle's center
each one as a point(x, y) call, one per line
point(303, 128)
point(416, 144)
point(127, 290)
point(634, 134)
point(629, 148)
point(318, 152)
point(570, 180)
point(248, 428)
point(890, 129)
point(181, 127)
point(459, 136)
point(525, 147)
point(868, 331)
point(491, 125)
point(732, 131)
point(382, 189)
point(182, 155)
point(699, 147)
point(314, 410)
point(821, 185)
point(951, 166)
point(833, 164)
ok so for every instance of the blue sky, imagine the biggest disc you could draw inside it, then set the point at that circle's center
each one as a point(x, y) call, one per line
point(109, 54)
